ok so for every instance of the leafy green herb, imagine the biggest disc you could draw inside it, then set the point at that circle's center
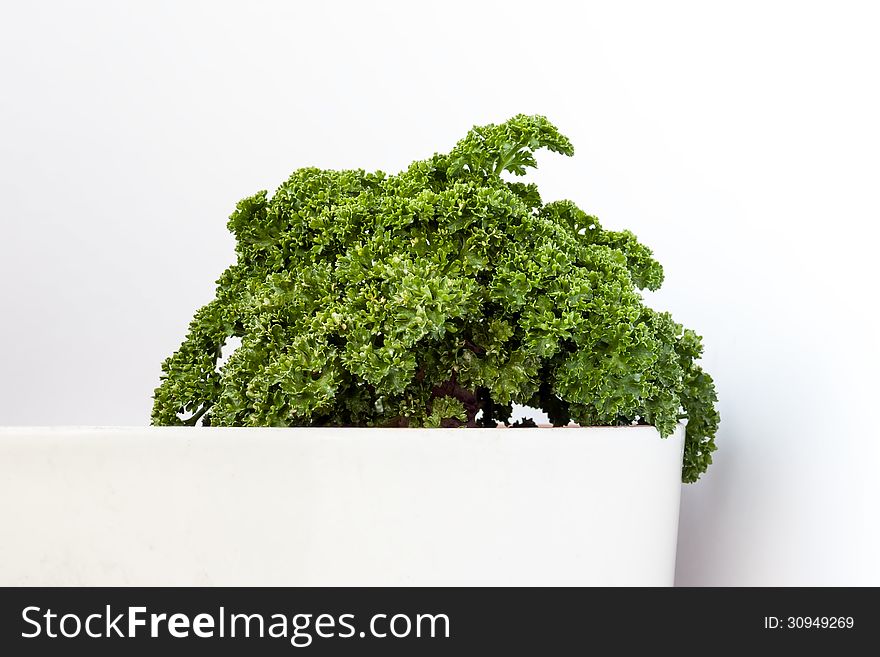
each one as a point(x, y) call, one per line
point(433, 296)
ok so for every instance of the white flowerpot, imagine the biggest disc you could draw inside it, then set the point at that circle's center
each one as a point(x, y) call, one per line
point(183, 506)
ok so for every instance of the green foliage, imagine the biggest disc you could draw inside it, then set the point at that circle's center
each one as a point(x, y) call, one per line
point(427, 297)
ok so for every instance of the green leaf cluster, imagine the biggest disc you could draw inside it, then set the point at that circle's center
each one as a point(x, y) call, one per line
point(439, 296)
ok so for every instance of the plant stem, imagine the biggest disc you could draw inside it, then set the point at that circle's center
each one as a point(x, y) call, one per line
point(195, 418)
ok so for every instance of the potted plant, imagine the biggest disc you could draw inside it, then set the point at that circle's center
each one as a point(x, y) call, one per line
point(394, 321)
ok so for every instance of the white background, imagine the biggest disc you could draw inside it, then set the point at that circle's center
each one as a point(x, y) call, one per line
point(740, 143)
